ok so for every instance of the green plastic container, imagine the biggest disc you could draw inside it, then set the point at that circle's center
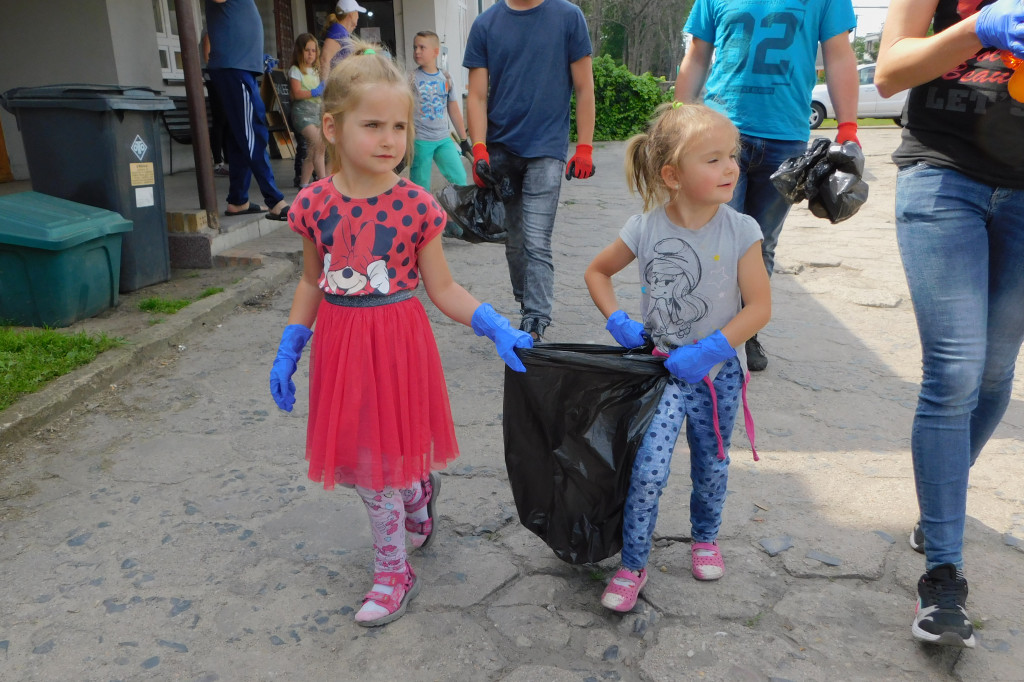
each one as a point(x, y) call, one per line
point(59, 261)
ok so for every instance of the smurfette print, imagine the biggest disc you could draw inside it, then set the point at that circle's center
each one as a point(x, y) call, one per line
point(671, 278)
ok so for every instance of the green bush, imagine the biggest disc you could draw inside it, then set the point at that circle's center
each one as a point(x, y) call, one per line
point(624, 102)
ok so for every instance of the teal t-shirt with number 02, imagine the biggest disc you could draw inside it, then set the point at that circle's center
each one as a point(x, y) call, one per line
point(765, 53)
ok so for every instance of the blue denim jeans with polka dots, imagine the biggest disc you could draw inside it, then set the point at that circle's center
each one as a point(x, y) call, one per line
point(708, 474)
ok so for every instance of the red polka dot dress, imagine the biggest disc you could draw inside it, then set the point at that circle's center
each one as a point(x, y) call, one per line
point(378, 406)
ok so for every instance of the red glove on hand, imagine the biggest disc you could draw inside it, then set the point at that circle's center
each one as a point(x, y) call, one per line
point(581, 165)
point(480, 155)
point(847, 133)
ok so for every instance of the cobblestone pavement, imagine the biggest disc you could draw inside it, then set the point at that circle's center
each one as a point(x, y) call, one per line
point(164, 529)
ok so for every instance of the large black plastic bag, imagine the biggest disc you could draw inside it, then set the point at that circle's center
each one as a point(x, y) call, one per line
point(573, 423)
point(479, 211)
point(828, 175)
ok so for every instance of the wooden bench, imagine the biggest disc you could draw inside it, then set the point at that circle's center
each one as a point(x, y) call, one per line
point(177, 123)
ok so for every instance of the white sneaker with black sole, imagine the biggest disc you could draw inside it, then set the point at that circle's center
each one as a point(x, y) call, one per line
point(941, 617)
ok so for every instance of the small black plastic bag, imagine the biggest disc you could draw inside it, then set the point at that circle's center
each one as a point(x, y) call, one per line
point(827, 175)
point(573, 423)
point(479, 211)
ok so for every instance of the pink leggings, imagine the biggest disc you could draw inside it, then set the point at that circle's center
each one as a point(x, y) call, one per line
point(387, 524)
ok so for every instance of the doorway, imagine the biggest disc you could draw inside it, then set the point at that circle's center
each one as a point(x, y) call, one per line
point(377, 25)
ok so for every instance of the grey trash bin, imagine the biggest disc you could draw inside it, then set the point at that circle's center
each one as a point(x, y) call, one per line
point(100, 145)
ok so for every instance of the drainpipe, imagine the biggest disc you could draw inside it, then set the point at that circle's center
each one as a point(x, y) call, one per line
point(197, 110)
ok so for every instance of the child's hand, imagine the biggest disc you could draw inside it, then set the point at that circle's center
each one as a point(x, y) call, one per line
point(466, 149)
point(581, 165)
point(480, 156)
point(486, 322)
point(628, 333)
point(692, 363)
point(282, 388)
point(1001, 25)
point(318, 90)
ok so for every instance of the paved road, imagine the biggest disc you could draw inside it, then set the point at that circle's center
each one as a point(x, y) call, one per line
point(166, 529)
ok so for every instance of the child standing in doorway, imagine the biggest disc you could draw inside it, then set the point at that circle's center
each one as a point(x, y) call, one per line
point(379, 416)
point(436, 101)
point(705, 292)
point(304, 84)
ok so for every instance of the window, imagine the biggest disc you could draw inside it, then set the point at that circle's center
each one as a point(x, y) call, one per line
point(867, 76)
point(167, 43)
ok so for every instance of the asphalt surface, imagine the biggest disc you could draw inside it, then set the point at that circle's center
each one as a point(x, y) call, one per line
point(158, 523)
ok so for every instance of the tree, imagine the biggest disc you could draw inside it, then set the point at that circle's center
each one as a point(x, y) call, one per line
point(650, 32)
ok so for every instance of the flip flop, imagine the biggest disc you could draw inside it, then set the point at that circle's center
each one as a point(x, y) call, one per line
point(253, 208)
point(283, 215)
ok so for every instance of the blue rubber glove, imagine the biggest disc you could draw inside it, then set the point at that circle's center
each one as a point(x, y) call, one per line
point(629, 333)
point(692, 363)
point(488, 323)
point(293, 340)
point(1001, 25)
point(318, 90)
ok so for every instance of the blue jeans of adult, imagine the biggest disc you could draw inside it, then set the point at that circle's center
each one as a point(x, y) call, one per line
point(708, 474)
point(537, 183)
point(248, 136)
point(962, 245)
point(755, 194)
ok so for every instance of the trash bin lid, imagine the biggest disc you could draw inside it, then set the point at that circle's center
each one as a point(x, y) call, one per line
point(86, 96)
point(40, 221)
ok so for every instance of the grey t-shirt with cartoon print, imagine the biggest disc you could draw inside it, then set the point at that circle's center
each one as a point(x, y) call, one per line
point(689, 278)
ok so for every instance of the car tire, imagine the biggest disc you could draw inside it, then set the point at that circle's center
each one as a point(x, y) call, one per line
point(898, 120)
point(817, 115)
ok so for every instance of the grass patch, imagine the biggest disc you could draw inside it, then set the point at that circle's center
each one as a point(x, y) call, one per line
point(752, 622)
point(861, 123)
point(165, 306)
point(29, 359)
point(209, 291)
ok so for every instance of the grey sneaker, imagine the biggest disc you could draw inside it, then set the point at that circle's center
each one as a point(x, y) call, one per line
point(757, 359)
point(941, 617)
point(917, 538)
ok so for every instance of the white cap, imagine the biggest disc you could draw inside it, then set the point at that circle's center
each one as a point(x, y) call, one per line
point(346, 6)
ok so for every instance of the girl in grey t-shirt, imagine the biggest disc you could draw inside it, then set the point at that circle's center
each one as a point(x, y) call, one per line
point(705, 292)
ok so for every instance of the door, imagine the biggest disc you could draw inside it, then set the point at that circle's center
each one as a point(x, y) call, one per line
point(867, 105)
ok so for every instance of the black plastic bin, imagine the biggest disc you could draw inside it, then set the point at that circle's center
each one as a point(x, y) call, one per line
point(100, 145)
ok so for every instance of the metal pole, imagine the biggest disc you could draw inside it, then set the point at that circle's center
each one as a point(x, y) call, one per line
point(197, 110)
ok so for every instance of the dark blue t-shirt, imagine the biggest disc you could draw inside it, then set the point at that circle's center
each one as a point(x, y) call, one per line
point(236, 35)
point(527, 56)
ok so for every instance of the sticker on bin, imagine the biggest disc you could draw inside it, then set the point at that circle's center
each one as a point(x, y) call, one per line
point(142, 174)
point(139, 147)
point(143, 197)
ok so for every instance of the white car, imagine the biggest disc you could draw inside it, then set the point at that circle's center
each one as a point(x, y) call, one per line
point(869, 105)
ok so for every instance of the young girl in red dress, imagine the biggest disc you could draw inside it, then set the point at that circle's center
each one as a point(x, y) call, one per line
point(379, 416)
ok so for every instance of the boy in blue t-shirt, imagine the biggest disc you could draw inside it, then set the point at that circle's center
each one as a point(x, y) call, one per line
point(436, 101)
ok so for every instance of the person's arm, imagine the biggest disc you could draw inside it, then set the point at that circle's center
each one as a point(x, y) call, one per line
point(598, 275)
point(908, 56)
point(308, 294)
point(456, 114)
point(327, 52)
point(757, 298)
point(582, 71)
point(841, 76)
point(206, 47)
point(447, 294)
point(693, 71)
point(476, 105)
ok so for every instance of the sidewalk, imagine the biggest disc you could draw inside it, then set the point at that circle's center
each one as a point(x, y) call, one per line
point(164, 528)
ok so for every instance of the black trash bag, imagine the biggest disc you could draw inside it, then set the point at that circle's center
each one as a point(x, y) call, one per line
point(479, 211)
point(829, 176)
point(573, 423)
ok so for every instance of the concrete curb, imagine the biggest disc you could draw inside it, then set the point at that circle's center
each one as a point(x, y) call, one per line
point(36, 410)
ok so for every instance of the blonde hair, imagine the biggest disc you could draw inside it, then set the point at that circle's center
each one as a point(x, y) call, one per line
point(669, 136)
point(298, 54)
point(365, 68)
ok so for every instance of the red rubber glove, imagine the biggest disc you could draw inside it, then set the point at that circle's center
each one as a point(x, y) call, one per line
point(847, 133)
point(581, 165)
point(480, 155)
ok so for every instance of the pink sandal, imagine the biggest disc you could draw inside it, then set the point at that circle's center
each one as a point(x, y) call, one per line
point(431, 487)
point(623, 590)
point(707, 561)
point(406, 587)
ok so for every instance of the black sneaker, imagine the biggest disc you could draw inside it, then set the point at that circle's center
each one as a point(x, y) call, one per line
point(917, 538)
point(940, 617)
point(757, 359)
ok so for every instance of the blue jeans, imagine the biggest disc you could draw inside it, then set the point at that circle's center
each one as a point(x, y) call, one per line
point(445, 153)
point(755, 194)
point(708, 474)
point(962, 245)
point(538, 183)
